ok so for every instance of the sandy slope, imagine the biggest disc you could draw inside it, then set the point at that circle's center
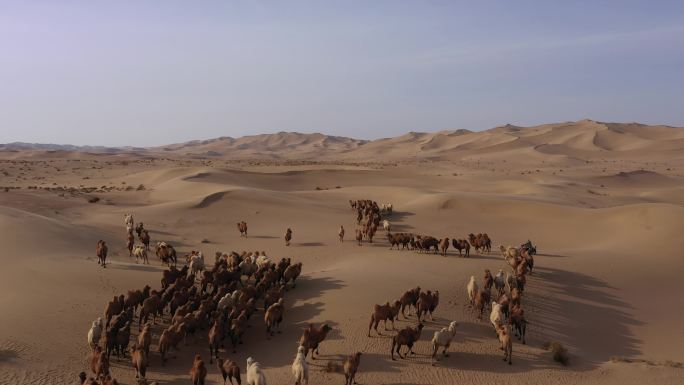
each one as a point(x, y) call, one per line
point(606, 280)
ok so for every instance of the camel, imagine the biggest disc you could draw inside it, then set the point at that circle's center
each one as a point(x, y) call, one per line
point(460, 245)
point(359, 236)
point(101, 252)
point(407, 336)
point(166, 253)
point(128, 221)
point(145, 239)
point(288, 236)
point(139, 228)
point(242, 227)
point(130, 240)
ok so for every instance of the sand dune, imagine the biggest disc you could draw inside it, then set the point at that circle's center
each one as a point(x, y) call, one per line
point(586, 139)
point(603, 203)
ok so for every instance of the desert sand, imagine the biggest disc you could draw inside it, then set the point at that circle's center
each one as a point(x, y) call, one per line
point(603, 203)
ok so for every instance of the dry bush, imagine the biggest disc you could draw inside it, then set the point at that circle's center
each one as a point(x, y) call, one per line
point(93, 199)
point(673, 364)
point(560, 353)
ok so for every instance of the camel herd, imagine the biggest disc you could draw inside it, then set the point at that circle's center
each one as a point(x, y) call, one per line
point(221, 300)
point(507, 314)
point(218, 301)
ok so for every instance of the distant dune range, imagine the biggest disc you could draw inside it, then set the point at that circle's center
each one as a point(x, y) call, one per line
point(584, 140)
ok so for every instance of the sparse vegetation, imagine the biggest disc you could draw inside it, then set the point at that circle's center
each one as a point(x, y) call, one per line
point(673, 364)
point(93, 199)
point(559, 352)
point(627, 360)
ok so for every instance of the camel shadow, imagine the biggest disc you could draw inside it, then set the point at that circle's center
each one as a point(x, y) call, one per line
point(552, 255)
point(398, 216)
point(135, 267)
point(310, 244)
point(476, 256)
point(396, 220)
point(401, 227)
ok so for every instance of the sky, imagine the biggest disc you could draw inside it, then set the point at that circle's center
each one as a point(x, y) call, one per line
point(146, 73)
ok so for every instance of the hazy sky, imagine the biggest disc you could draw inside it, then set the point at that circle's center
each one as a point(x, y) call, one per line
point(154, 72)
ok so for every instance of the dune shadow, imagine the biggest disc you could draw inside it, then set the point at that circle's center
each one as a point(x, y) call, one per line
point(581, 312)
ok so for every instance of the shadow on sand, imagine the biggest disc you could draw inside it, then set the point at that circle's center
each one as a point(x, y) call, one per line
point(580, 311)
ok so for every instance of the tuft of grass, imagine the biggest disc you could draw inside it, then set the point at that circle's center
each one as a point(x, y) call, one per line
point(673, 364)
point(141, 187)
point(559, 352)
point(93, 199)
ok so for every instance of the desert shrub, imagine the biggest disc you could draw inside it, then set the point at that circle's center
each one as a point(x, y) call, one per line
point(558, 351)
point(93, 199)
point(673, 364)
